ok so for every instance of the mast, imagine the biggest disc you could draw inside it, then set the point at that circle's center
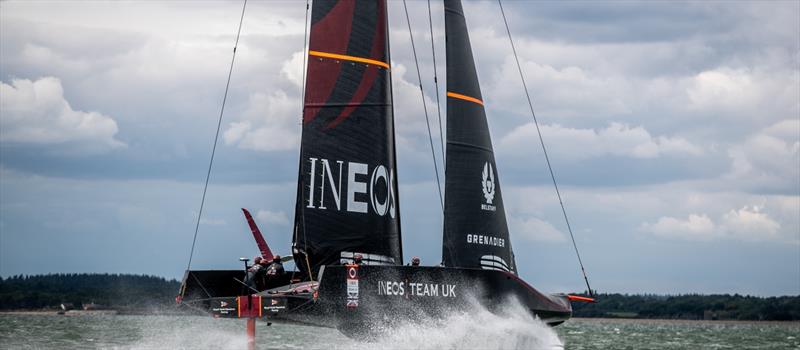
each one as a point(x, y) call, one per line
point(347, 185)
point(475, 227)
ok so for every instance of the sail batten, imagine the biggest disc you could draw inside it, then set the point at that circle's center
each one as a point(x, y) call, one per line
point(475, 228)
point(464, 97)
point(348, 58)
point(347, 187)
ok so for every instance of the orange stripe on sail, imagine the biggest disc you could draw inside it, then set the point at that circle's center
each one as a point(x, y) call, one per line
point(348, 58)
point(464, 97)
point(580, 298)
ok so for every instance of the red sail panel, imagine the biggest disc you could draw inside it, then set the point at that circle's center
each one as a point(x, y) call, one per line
point(330, 34)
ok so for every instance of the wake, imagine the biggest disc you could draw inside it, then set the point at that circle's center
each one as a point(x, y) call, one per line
point(512, 327)
point(475, 327)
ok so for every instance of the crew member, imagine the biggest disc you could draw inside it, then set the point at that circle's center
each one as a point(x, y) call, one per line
point(357, 259)
point(254, 273)
point(275, 269)
point(415, 261)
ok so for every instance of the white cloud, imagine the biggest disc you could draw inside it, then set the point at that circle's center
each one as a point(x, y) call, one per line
point(409, 112)
point(215, 222)
point(162, 82)
point(616, 139)
point(785, 129)
point(205, 19)
point(769, 158)
point(272, 217)
point(696, 227)
point(36, 112)
point(411, 130)
point(745, 93)
point(270, 123)
point(570, 91)
point(681, 211)
point(535, 229)
point(292, 69)
point(722, 87)
point(749, 223)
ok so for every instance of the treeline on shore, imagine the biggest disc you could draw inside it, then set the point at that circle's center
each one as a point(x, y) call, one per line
point(692, 307)
point(136, 293)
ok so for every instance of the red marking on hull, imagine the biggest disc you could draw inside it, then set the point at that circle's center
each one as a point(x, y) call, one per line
point(249, 306)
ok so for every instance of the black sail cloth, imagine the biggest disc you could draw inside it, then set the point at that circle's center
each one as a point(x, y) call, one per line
point(347, 198)
point(475, 227)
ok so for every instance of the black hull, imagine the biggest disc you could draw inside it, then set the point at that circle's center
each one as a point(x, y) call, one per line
point(383, 295)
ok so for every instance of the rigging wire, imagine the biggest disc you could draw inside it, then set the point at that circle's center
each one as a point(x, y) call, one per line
point(544, 149)
point(305, 56)
point(436, 83)
point(303, 109)
point(216, 137)
point(425, 107)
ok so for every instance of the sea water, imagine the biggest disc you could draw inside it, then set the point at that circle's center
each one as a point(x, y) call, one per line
point(478, 329)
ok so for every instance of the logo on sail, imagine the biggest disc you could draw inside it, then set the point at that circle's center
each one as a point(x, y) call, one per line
point(364, 187)
point(488, 187)
point(494, 262)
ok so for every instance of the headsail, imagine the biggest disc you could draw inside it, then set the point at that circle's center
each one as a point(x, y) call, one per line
point(475, 228)
point(347, 198)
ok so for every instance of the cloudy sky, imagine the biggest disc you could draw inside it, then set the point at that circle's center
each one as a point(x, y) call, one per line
point(673, 128)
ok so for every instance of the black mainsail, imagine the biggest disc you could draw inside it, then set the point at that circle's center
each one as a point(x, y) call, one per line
point(347, 198)
point(475, 228)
